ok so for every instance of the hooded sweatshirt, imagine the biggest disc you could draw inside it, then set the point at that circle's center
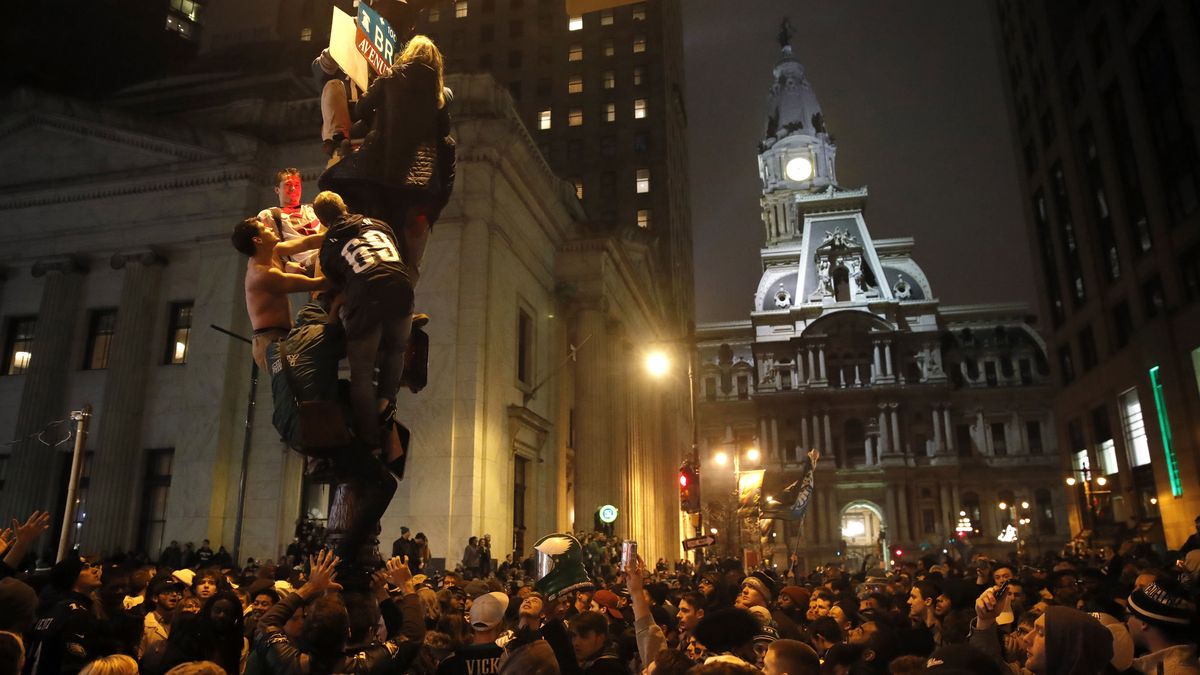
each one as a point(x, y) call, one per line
point(1076, 643)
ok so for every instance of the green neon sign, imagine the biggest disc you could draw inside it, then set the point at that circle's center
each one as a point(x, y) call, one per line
point(1164, 425)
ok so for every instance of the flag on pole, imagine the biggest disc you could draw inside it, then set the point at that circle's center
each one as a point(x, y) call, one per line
point(796, 497)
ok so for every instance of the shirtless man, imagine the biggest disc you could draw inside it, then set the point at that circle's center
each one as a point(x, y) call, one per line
point(291, 219)
point(267, 284)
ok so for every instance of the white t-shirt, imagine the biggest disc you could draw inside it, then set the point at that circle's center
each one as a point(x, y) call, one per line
point(297, 222)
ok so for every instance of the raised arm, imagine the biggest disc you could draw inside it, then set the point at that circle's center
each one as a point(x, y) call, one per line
point(299, 245)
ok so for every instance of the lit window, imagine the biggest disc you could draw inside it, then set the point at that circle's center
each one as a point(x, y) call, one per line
point(610, 112)
point(639, 109)
point(638, 73)
point(606, 17)
point(578, 187)
point(460, 9)
point(544, 119)
point(643, 181)
point(643, 218)
point(610, 79)
point(100, 335)
point(575, 53)
point(1136, 445)
point(575, 117)
point(306, 35)
point(575, 23)
point(575, 85)
point(179, 332)
point(434, 15)
point(639, 12)
point(639, 44)
point(18, 347)
point(609, 49)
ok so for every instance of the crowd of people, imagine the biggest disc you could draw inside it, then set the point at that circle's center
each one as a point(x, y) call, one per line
point(1123, 611)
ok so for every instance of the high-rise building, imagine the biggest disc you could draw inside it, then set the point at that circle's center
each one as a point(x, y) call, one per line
point(602, 94)
point(1105, 101)
point(933, 422)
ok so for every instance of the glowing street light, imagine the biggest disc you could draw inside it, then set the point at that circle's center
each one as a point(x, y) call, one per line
point(1024, 505)
point(712, 530)
point(1071, 481)
point(1101, 481)
point(753, 454)
point(721, 459)
point(1003, 506)
point(658, 363)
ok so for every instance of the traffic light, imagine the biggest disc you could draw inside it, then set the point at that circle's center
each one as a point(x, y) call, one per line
point(689, 488)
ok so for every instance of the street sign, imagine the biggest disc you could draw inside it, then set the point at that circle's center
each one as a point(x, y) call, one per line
point(698, 542)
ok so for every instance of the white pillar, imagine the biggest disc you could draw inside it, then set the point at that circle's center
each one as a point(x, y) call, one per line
point(949, 432)
point(800, 369)
point(937, 432)
point(775, 449)
point(868, 451)
point(887, 352)
point(816, 432)
point(821, 354)
point(877, 369)
point(885, 445)
point(828, 435)
point(804, 442)
point(982, 435)
point(896, 429)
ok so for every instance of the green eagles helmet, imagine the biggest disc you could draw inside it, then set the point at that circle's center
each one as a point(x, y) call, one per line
point(566, 573)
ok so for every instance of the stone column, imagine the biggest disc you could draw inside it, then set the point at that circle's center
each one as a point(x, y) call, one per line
point(938, 445)
point(804, 440)
point(868, 451)
point(763, 439)
point(885, 445)
point(981, 435)
point(1018, 444)
point(821, 356)
point(800, 369)
point(32, 481)
point(887, 352)
point(898, 446)
point(776, 451)
point(812, 371)
point(949, 431)
point(816, 434)
point(829, 442)
point(117, 468)
point(877, 368)
point(593, 421)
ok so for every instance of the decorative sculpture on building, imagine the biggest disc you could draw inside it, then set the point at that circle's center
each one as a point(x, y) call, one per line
point(902, 291)
point(783, 299)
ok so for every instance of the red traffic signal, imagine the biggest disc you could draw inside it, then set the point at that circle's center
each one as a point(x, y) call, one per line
point(689, 489)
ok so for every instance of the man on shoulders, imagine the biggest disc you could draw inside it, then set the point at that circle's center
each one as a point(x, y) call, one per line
point(291, 219)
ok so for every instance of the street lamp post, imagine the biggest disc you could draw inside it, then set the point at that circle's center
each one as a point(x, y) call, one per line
point(658, 364)
point(721, 458)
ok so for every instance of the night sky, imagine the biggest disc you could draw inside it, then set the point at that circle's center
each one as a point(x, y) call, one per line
point(911, 93)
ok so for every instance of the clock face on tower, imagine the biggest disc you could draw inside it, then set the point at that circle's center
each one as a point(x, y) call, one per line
point(798, 169)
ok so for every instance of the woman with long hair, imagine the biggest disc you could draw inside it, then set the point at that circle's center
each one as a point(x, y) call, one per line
point(404, 172)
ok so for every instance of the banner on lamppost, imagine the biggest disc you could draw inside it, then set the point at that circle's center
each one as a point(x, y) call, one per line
point(750, 490)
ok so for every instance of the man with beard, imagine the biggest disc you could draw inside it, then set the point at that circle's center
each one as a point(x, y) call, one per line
point(163, 594)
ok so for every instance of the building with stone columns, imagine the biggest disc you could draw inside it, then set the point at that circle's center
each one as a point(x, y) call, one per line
point(924, 414)
point(116, 229)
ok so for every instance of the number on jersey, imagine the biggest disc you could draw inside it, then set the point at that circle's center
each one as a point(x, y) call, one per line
point(364, 253)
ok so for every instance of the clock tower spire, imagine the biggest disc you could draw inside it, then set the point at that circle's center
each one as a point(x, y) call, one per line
point(796, 153)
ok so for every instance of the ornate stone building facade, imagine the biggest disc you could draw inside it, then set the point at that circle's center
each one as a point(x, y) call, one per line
point(116, 228)
point(924, 414)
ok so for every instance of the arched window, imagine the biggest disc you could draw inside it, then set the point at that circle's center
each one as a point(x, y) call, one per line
point(970, 505)
point(1045, 511)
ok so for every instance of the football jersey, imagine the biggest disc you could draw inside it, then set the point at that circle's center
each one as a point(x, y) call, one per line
point(299, 222)
point(360, 254)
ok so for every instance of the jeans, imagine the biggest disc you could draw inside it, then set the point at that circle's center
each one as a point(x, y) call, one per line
point(382, 343)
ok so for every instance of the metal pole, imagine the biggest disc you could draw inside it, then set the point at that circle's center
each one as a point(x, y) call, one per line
point(246, 436)
point(81, 418)
point(691, 372)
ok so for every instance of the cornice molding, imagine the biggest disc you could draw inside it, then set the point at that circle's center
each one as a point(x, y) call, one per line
point(144, 257)
point(130, 185)
point(63, 264)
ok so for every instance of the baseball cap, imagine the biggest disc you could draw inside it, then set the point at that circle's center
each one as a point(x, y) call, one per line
point(609, 602)
point(487, 611)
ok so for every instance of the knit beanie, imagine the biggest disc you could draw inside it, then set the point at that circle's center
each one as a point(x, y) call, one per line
point(1076, 643)
point(1159, 607)
point(65, 572)
point(761, 583)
